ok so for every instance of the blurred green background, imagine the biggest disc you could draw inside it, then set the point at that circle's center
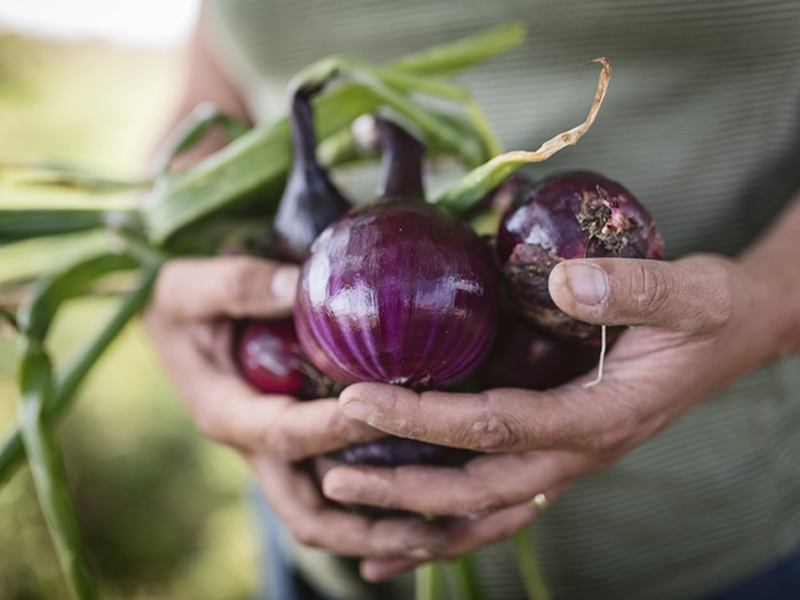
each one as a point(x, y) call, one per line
point(162, 510)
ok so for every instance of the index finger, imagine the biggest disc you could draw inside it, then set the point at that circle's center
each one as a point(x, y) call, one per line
point(498, 420)
point(226, 286)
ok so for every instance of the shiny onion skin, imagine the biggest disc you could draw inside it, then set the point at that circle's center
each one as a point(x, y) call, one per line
point(401, 293)
point(569, 215)
point(398, 291)
point(269, 358)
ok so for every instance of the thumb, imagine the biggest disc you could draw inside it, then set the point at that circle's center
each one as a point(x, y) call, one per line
point(693, 295)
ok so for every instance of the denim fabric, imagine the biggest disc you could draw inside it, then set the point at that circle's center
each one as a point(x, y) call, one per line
point(278, 579)
point(781, 582)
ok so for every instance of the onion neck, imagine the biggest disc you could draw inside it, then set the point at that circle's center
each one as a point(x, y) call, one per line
point(304, 141)
point(401, 165)
point(310, 201)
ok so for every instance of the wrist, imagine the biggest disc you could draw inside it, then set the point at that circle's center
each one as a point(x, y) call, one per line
point(773, 307)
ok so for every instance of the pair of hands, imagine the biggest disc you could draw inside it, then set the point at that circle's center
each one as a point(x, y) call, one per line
point(698, 327)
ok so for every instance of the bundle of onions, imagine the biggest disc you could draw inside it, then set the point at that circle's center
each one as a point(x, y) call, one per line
point(569, 215)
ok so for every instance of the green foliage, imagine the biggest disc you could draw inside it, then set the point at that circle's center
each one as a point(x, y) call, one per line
point(161, 509)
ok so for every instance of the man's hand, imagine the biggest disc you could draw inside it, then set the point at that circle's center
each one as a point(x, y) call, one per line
point(697, 329)
point(191, 322)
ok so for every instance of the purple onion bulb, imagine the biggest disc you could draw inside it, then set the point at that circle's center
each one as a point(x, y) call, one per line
point(270, 359)
point(402, 293)
point(566, 216)
point(524, 356)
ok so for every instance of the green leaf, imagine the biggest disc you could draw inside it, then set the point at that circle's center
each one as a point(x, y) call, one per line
point(465, 193)
point(192, 129)
point(466, 52)
point(529, 566)
point(50, 291)
point(69, 377)
point(252, 169)
point(41, 399)
point(20, 224)
point(463, 576)
point(429, 583)
point(47, 470)
point(28, 259)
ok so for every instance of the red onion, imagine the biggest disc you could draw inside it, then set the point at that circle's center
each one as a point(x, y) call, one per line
point(566, 216)
point(269, 358)
point(398, 291)
point(268, 354)
point(524, 356)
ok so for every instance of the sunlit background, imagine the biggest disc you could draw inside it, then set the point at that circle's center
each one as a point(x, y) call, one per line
point(92, 84)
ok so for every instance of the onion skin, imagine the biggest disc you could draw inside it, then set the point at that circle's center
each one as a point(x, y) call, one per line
point(570, 215)
point(269, 358)
point(524, 356)
point(400, 292)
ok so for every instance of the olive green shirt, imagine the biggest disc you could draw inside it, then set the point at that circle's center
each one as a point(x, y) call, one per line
point(702, 124)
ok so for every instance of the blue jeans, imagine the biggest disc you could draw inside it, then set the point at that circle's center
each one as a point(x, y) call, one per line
point(778, 582)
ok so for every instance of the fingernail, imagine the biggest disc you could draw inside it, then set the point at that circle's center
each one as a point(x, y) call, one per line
point(358, 410)
point(284, 282)
point(588, 283)
point(340, 495)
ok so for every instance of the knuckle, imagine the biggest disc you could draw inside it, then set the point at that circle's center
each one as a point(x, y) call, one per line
point(492, 433)
point(487, 503)
point(286, 447)
point(304, 532)
point(649, 288)
point(240, 285)
point(717, 290)
point(721, 299)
